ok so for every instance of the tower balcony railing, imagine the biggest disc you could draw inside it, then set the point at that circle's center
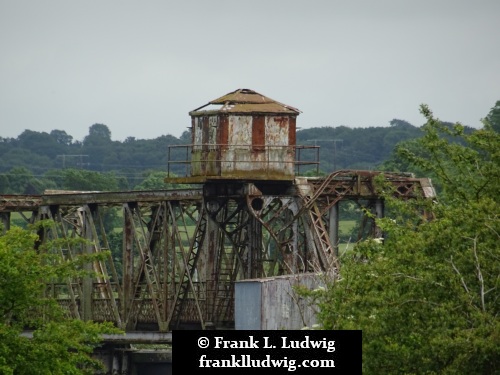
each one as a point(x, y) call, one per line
point(187, 160)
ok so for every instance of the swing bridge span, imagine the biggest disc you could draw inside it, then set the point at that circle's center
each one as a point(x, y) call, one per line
point(173, 256)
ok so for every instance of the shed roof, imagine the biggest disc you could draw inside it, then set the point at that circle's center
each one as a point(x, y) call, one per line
point(244, 101)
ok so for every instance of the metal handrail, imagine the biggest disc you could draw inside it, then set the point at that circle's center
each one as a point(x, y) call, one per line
point(191, 148)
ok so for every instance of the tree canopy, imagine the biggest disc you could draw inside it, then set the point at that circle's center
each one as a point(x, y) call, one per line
point(59, 345)
point(493, 118)
point(427, 298)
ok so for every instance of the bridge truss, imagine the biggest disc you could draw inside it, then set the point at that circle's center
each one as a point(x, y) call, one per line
point(174, 255)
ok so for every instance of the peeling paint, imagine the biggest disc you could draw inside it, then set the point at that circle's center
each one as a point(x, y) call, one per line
point(253, 133)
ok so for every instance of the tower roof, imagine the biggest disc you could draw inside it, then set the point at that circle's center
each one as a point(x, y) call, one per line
point(244, 101)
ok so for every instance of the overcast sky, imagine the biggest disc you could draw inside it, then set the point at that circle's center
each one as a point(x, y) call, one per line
point(139, 67)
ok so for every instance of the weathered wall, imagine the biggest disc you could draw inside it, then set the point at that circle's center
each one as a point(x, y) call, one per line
point(273, 304)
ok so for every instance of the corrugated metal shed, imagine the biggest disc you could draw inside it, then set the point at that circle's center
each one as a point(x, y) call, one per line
point(273, 304)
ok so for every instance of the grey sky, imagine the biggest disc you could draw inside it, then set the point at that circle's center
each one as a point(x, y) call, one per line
point(139, 67)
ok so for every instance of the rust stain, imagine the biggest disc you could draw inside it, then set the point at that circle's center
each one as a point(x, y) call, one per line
point(243, 133)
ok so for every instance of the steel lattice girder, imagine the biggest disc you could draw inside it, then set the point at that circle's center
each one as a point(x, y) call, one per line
point(175, 254)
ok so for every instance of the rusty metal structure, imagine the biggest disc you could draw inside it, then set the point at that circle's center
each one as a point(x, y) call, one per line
point(175, 254)
point(183, 250)
point(242, 135)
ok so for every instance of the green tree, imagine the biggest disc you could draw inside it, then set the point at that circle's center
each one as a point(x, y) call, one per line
point(427, 298)
point(23, 157)
point(61, 137)
point(97, 146)
point(59, 345)
point(493, 117)
point(40, 143)
point(80, 179)
point(20, 180)
point(154, 180)
point(99, 131)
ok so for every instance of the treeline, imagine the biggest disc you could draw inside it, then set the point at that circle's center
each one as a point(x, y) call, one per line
point(357, 148)
point(36, 161)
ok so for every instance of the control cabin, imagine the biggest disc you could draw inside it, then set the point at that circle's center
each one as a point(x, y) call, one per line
point(242, 135)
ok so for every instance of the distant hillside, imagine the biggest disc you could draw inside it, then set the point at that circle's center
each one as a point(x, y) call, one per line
point(356, 148)
point(41, 155)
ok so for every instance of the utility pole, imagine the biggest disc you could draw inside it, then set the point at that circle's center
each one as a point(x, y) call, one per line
point(80, 156)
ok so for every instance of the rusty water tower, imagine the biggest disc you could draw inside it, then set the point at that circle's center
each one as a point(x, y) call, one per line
point(242, 135)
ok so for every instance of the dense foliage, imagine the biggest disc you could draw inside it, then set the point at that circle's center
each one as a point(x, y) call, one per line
point(59, 345)
point(35, 161)
point(427, 299)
